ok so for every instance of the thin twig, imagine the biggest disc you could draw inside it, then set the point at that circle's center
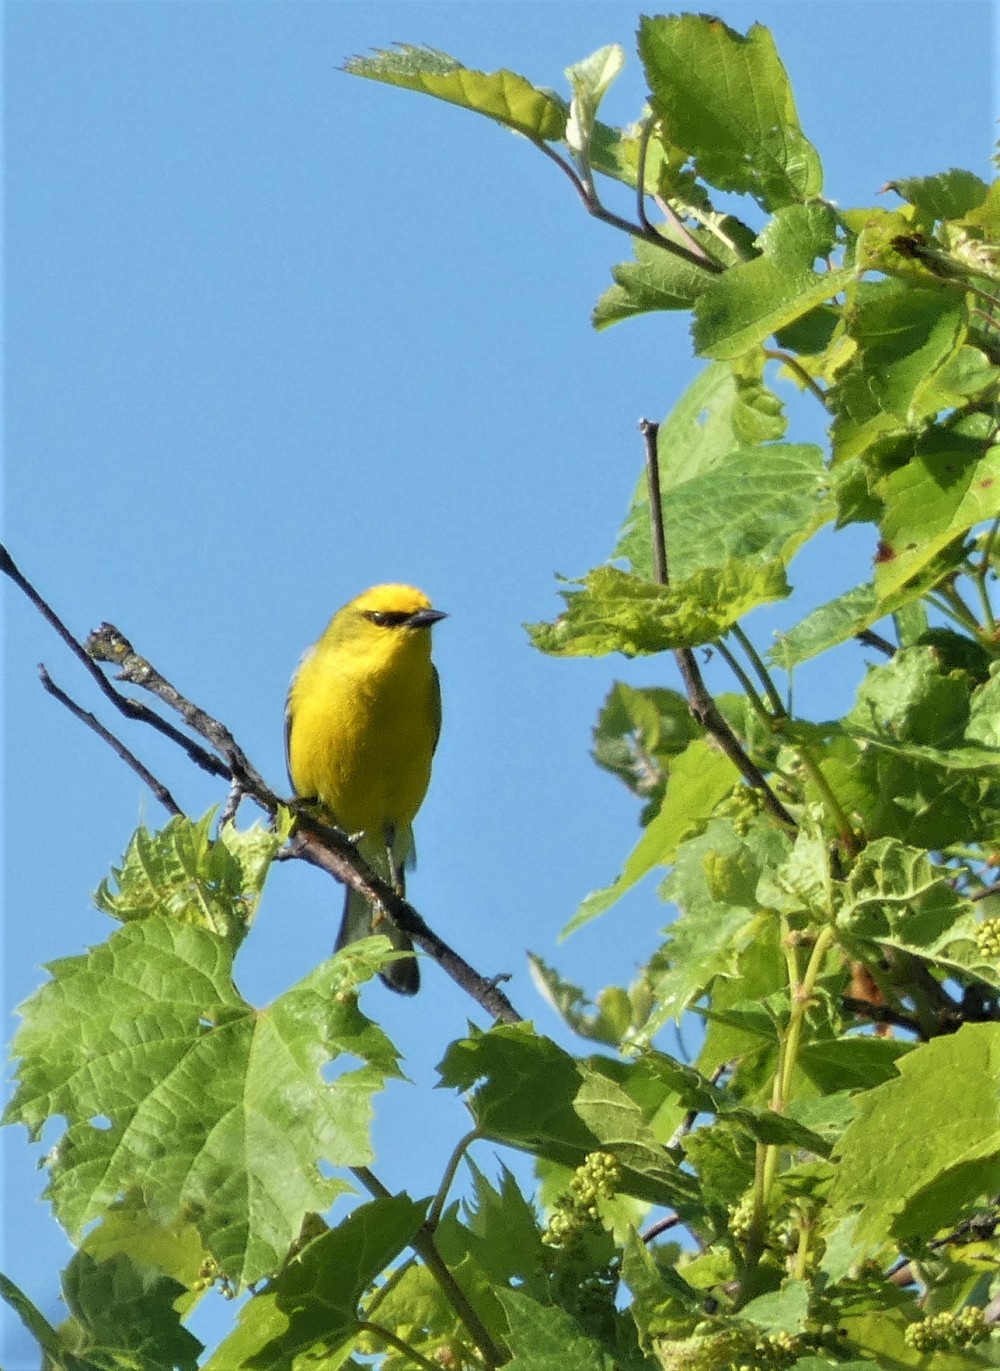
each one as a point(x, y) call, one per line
point(132, 709)
point(700, 702)
point(410, 1355)
point(108, 644)
point(786, 359)
point(324, 847)
point(146, 776)
point(661, 1226)
point(423, 1243)
point(650, 433)
point(876, 641)
point(986, 892)
point(594, 207)
point(882, 1013)
point(313, 841)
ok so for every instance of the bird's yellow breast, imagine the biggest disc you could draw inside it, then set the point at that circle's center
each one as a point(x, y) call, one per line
point(363, 724)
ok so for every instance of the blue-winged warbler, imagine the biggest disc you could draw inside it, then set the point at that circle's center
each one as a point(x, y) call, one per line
point(361, 725)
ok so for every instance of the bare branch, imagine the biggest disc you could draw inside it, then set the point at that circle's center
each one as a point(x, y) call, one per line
point(325, 848)
point(876, 641)
point(700, 702)
point(132, 709)
point(157, 787)
point(313, 841)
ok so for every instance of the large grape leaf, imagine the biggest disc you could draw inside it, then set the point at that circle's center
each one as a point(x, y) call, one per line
point(179, 1091)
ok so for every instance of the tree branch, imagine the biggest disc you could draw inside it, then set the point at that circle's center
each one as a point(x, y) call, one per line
point(423, 1243)
point(593, 206)
point(132, 709)
point(313, 841)
point(700, 702)
point(92, 722)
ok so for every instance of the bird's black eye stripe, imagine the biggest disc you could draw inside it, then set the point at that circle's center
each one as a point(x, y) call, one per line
point(386, 618)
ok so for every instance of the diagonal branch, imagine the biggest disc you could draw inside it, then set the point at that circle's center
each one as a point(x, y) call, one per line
point(132, 709)
point(700, 701)
point(85, 717)
point(313, 841)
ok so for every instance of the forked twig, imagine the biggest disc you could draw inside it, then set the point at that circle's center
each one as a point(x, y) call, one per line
point(313, 841)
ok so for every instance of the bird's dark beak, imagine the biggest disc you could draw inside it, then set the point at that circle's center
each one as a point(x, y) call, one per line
point(424, 618)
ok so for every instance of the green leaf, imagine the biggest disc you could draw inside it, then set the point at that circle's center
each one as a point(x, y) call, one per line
point(756, 504)
point(696, 1092)
point(952, 484)
point(851, 1063)
point(310, 1310)
point(615, 1014)
point(182, 871)
point(926, 1147)
point(173, 1249)
point(501, 95)
point(526, 1092)
point(613, 611)
point(123, 1314)
point(699, 778)
point(589, 80)
point(910, 699)
point(780, 1311)
point(744, 307)
point(827, 626)
point(906, 337)
point(714, 884)
point(984, 712)
point(656, 280)
point(638, 734)
point(948, 195)
point(727, 101)
point(543, 1338)
point(178, 1090)
point(503, 1230)
point(661, 1296)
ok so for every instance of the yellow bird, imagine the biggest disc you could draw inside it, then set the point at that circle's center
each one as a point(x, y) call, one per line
point(361, 725)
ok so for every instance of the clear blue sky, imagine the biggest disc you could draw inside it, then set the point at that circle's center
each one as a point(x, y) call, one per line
point(275, 334)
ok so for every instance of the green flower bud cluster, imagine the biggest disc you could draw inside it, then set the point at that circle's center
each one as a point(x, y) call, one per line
point(209, 1275)
point(780, 1233)
point(948, 1332)
point(731, 1349)
point(741, 806)
point(988, 938)
point(577, 1210)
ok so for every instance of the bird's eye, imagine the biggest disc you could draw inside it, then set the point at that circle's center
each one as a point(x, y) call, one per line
point(385, 618)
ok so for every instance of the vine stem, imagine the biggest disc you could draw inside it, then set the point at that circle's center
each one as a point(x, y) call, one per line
point(768, 1154)
point(799, 370)
point(410, 1354)
point(763, 675)
point(847, 834)
point(981, 570)
point(422, 1242)
point(454, 1162)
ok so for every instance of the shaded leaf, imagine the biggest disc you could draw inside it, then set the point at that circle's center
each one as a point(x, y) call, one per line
point(501, 95)
point(614, 611)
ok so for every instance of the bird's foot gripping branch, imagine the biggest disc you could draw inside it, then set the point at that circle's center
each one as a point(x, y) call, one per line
point(815, 1182)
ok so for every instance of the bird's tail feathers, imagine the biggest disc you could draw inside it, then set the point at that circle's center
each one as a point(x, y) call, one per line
point(361, 920)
